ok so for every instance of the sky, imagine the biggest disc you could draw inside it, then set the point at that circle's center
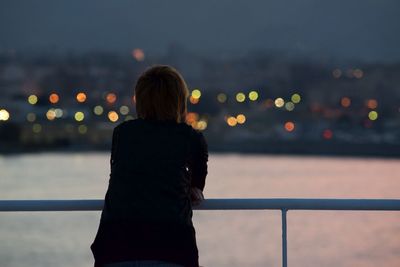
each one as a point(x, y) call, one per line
point(367, 30)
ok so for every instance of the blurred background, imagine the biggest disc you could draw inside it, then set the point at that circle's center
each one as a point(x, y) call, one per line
point(295, 99)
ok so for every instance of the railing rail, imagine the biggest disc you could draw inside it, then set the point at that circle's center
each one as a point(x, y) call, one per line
point(283, 204)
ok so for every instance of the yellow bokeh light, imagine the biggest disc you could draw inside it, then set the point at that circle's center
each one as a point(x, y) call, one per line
point(79, 116)
point(32, 99)
point(124, 110)
point(113, 116)
point(81, 97)
point(253, 95)
point(36, 128)
point(4, 115)
point(196, 93)
point(221, 97)
point(82, 129)
point(373, 115)
point(31, 117)
point(296, 98)
point(201, 125)
point(98, 110)
point(231, 121)
point(241, 118)
point(51, 114)
point(279, 102)
point(240, 97)
point(289, 106)
point(54, 98)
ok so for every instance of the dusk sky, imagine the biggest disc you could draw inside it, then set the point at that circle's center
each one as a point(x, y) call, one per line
point(367, 30)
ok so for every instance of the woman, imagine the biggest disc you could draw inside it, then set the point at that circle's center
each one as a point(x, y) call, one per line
point(158, 171)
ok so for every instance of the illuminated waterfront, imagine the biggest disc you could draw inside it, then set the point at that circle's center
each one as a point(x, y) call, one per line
point(250, 238)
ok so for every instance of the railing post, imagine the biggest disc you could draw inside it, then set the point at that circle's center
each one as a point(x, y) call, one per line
point(284, 238)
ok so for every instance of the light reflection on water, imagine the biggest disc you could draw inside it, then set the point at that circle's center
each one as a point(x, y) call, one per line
point(231, 238)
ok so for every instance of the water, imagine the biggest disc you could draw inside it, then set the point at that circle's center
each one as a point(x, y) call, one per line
point(231, 238)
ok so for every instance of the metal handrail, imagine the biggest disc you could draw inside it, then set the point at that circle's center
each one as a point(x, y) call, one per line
point(283, 204)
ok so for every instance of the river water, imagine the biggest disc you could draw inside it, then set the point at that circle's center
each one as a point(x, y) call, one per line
point(229, 238)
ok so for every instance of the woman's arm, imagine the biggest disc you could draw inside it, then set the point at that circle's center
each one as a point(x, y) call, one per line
point(198, 166)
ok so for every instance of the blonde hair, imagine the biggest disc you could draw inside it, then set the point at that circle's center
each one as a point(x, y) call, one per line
point(161, 94)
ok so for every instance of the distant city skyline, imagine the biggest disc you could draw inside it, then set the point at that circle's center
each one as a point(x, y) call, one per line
point(343, 30)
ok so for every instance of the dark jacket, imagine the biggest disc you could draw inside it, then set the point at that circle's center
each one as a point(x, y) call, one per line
point(147, 212)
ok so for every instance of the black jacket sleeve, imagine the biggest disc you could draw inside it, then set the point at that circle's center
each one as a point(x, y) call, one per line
point(198, 160)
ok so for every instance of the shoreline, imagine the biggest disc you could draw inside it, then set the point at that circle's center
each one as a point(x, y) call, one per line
point(287, 148)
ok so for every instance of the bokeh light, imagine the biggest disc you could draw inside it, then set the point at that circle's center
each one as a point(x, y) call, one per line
point(240, 97)
point(98, 110)
point(191, 117)
point(221, 98)
point(279, 102)
point(358, 73)
point(31, 117)
point(138, 54)
point(51, 114)
point(82, 129)
point(124, 110)
point(253, 95)
point(289, 126)
point(241, 118)
point(296, 98)
point(372, 103)
point(129, 117)
point(36, 128)
point(345, 102)
point(196, 93)
point(336, 73)
point(373, 115)
point(327, 134)
point(113, 116)
point(111, 98)
point(231, 121)
point(79, 116)
point(59, 112)
point(201, 125)
point(54, 98)
point(81, 97)
point(4, 115)
point(32, 99)
point(289, 106)
point(193, 100)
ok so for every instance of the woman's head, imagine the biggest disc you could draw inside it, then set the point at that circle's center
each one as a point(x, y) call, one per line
point(161, 94)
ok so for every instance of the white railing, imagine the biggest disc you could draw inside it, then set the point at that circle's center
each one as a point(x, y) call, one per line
point(283, 204)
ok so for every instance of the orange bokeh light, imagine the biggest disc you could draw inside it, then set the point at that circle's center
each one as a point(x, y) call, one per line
point(231, 121)
point(113, 116)
point(372, 103)
point(289, 126)
point(345, 102)
point(191, 117)
point(54, 98)
point(111, 98)
point(193, 100)
point(81, 97)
